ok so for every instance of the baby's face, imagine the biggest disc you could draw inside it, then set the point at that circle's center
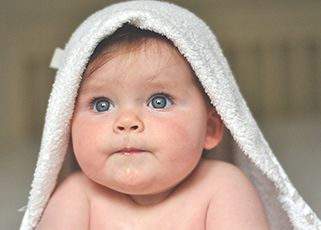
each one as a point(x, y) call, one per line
point(140, 122)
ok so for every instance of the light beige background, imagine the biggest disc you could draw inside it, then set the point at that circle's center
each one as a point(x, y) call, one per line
point(274, 48)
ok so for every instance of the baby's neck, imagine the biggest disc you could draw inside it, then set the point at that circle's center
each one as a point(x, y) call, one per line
point(151, 199)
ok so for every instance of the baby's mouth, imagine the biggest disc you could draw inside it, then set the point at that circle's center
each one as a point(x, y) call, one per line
point(127, 151)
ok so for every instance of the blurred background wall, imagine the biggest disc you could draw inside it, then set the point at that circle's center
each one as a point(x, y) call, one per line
point(274, 49)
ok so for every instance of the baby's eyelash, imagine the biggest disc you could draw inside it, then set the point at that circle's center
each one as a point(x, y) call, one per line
point(171, 98)
point(93, 100)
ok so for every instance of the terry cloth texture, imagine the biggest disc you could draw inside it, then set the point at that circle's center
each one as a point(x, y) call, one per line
point(284, 206)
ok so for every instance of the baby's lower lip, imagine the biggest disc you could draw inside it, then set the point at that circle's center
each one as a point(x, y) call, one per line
point(130, 151)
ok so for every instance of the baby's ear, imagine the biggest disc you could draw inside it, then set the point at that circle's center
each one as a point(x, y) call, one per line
point(215, 130)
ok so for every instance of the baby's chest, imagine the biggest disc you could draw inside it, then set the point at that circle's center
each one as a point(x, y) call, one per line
point(183, 217)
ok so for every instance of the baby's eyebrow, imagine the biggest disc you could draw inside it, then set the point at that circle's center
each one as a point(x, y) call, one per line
point(161, 82)
point(159, 85)
point(88, 86)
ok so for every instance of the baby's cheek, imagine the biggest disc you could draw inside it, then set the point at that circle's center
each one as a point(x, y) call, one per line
point(181, 135)
point(84, 137)
point(177, 132)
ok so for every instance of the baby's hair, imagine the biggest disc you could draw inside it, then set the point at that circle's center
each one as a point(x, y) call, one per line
point(126, 38)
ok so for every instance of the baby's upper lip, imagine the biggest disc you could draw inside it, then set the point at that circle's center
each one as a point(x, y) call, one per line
point(129, 150)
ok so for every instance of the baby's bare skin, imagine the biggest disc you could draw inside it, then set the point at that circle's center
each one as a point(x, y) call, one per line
point(215, 196)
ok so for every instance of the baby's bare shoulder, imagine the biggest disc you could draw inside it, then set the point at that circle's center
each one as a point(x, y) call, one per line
point(235, 203)
point(68, 207)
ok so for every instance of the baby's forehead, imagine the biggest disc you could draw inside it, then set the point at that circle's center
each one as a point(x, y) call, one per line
point(153, 50)
point(156, 55)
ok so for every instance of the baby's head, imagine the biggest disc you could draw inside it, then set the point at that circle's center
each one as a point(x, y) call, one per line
point(141, 118)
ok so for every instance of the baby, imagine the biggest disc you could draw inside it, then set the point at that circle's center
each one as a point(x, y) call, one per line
point(140, 125)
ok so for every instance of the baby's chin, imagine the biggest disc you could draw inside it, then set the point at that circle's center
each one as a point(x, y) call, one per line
point(138, 182)
point(141, 186)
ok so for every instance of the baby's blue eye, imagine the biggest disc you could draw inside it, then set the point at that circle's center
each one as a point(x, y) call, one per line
point(160, 102)
point(101, 105)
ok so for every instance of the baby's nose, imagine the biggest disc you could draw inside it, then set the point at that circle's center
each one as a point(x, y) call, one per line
point(128, 123)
